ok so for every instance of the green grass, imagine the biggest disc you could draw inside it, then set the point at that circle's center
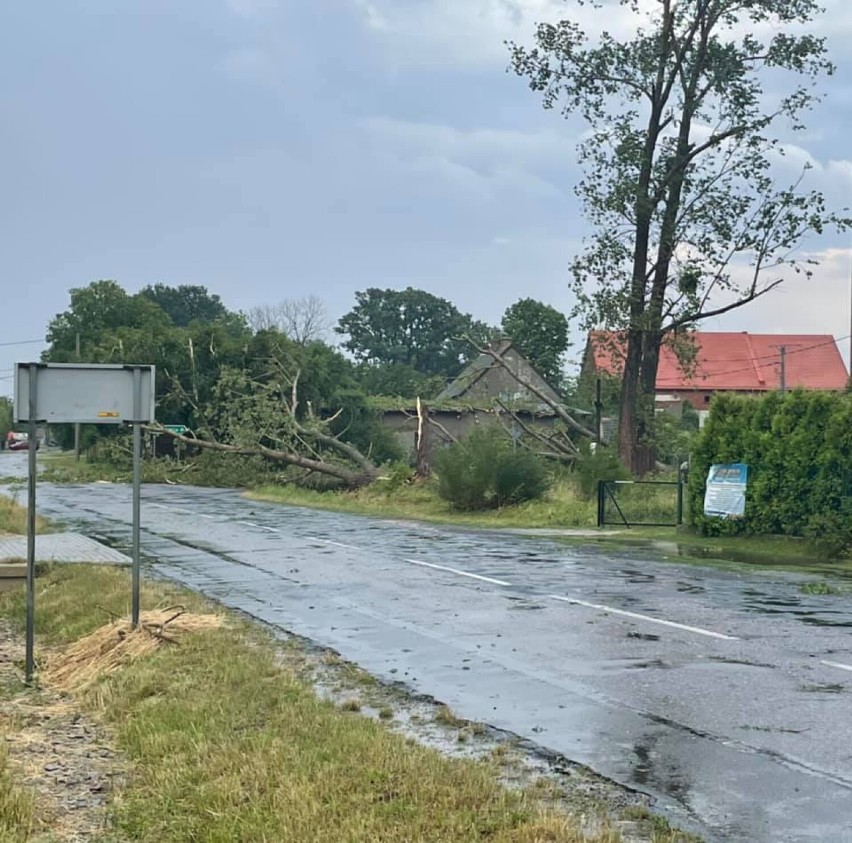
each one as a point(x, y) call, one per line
point(226, 744)
point(13, 518)
point(62, 467)
point(18, 816)
point(822, 588)
point(561, 507)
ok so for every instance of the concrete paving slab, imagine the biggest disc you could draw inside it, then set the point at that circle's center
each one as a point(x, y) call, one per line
point(62, 547)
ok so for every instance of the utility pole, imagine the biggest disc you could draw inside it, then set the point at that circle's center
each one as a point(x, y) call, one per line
point(783, 350)
point(598, 412)
point(77, 424)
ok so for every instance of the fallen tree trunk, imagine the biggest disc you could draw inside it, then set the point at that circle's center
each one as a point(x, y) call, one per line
point(364, 474)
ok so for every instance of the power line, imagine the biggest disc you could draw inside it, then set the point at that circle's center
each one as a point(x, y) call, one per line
point(783, 336)
point(775, 357)
point(21, 342)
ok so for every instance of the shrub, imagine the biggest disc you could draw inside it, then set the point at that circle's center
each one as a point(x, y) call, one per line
point(398, 476)
point(484, 472)
point(599, 464)
point(831, 534)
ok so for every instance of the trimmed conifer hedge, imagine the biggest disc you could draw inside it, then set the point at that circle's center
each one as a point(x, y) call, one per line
point(798, 448)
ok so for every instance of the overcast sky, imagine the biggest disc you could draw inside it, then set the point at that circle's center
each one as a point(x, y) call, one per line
point(271, 149)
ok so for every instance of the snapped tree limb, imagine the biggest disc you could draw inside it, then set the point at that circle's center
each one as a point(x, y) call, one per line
point(557, 408)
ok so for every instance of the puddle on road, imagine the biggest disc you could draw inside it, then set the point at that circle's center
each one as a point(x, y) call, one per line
point(777, 730)
point(652, 769)
point(828, 688)
point(690, 588)
point(649, 664)
point(522, 605)
point(637, 577)
point(643, 636)
point(743, 662)
point(792, 606)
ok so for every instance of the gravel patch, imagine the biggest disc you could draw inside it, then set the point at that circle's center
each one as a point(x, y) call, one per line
point(64, 757)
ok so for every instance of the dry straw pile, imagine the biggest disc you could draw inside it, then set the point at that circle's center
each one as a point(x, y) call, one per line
point(116, 644)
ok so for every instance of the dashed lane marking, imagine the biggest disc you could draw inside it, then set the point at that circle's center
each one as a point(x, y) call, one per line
point(331, 541)
point(636, 616)
point(460, 573)
point(839, 665)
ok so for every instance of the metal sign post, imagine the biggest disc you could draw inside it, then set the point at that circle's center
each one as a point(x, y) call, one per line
point(81, 393)
point(137, 490)
point(31, 528)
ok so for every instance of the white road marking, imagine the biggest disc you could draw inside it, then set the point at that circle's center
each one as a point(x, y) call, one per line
point(624, 613)
point(171, 508)
point(837, 664)
point(460, 573)
point(336, 544)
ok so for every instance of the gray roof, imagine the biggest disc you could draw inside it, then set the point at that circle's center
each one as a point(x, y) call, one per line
point(474, 370)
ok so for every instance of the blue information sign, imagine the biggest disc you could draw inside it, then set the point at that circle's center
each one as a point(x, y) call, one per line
point(726, 490)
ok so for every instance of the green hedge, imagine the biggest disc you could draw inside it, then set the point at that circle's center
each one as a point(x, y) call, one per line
point(798, 448)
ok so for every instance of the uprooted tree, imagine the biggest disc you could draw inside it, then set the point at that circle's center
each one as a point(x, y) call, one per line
point(268, 409)
point(263, 417)
point(681, 170)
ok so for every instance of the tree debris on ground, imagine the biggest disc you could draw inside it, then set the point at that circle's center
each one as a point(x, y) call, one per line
point(117, 643)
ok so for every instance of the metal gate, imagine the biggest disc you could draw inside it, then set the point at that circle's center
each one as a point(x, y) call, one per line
point(640, 503)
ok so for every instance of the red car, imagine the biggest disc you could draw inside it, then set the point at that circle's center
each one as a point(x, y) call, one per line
point(20, 442)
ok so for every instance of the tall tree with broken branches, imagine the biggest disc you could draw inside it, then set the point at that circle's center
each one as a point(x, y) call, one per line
point(686, 120)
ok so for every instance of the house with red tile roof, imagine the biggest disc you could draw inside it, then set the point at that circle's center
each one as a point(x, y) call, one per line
point(731, 362)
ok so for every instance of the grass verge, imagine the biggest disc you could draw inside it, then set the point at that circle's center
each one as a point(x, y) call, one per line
point(13, 518)
point(226, 744)
point(17, 805)
point(562, 507)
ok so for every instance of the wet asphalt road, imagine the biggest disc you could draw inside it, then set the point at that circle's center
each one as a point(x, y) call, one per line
point(725, 696)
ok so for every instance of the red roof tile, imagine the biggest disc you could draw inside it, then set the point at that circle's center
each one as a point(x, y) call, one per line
point(740, 362)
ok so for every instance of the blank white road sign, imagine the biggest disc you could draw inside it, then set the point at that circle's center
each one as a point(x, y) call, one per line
point(87, 393)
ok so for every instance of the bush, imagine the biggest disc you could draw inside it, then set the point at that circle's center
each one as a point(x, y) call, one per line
point(602, 463)
point(674, 437)
point(399, 475)
point(484, 472)
point(831, 534)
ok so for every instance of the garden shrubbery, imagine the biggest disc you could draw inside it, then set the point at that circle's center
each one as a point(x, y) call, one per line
point(485, 471)
point(596, 464)
point(798, 448)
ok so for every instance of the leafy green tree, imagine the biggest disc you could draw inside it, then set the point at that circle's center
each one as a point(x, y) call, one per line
point(541, 333)
point(5, 416)
point(399, 381)
point(99, 313)
point(409, 328)
point(186, 303)
point(684, 123)
point(258, 395)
